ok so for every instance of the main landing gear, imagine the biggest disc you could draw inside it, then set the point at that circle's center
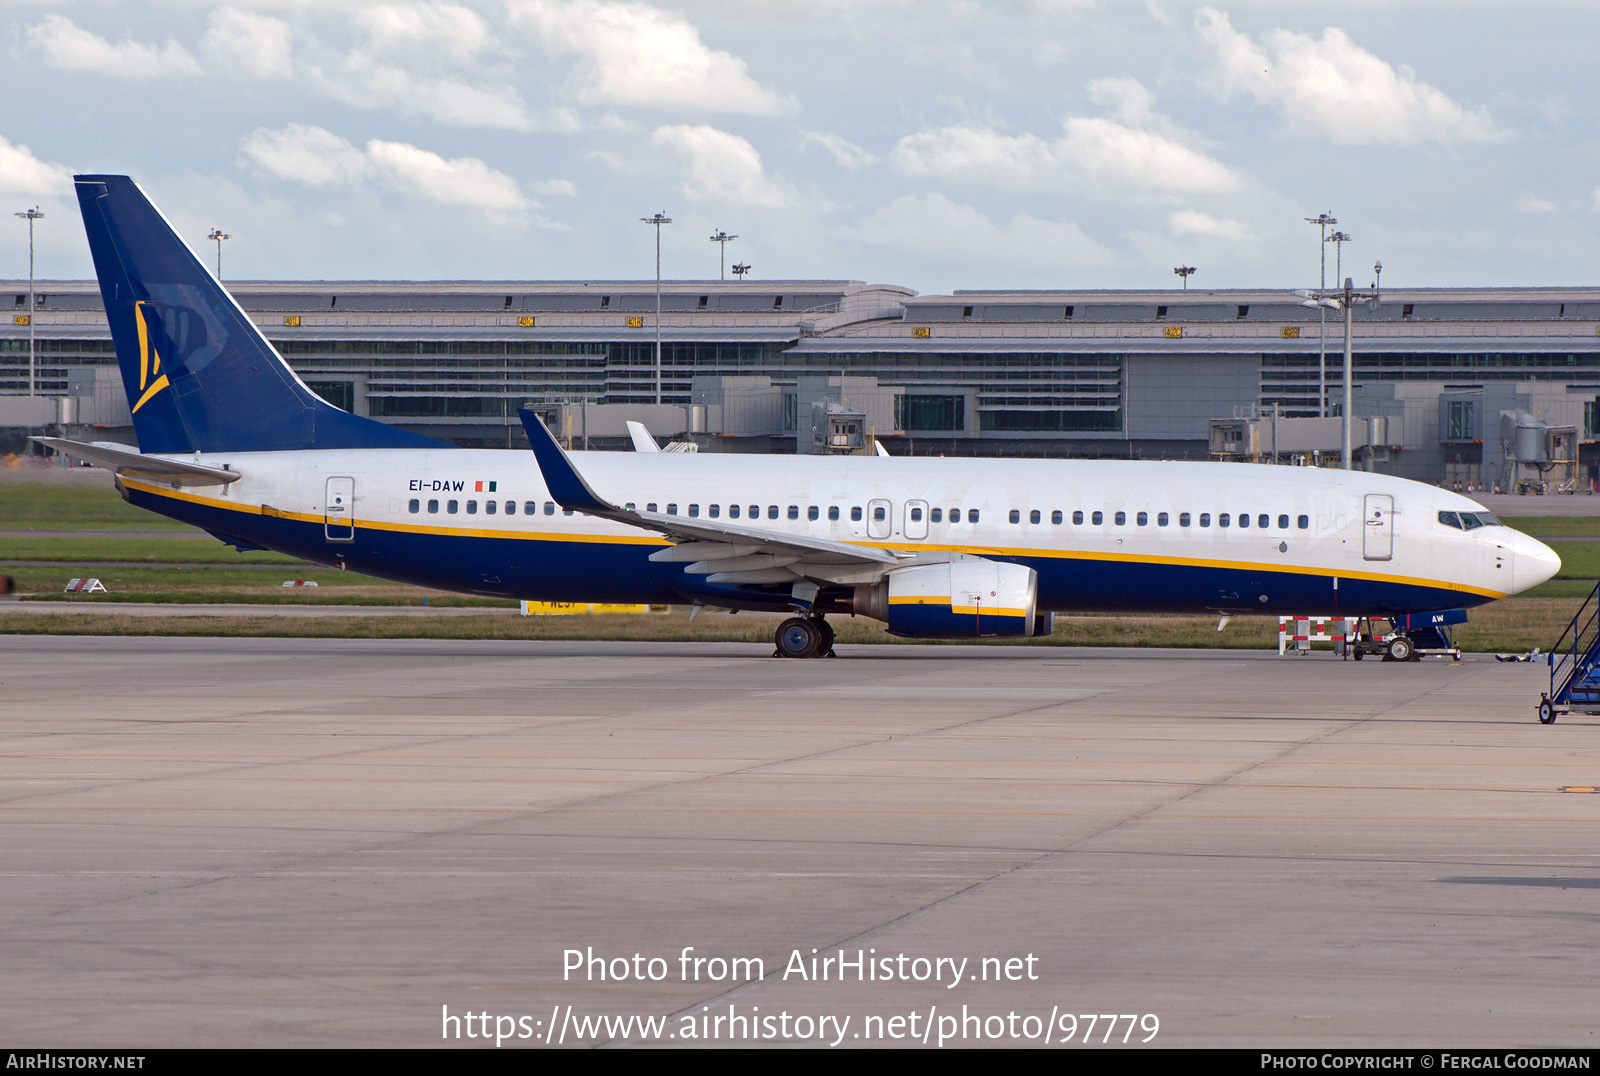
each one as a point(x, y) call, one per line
point(804, 637)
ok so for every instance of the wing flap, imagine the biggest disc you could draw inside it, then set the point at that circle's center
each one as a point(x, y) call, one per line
point(126, 461)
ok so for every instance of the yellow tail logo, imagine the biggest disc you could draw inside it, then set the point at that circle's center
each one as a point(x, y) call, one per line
point(149, 362)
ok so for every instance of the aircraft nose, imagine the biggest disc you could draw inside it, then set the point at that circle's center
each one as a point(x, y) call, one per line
point(1532, 562)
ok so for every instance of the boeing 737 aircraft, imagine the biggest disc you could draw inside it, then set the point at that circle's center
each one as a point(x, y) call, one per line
point(232, 441)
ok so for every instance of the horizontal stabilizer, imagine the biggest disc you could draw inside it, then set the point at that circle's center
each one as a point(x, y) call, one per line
point(642, 441)
point(124, 460)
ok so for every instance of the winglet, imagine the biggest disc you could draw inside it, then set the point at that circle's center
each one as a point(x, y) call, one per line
point(562, 479)
point(642, 441)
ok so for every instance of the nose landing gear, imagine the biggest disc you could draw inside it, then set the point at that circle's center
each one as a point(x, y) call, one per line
point(803, 637)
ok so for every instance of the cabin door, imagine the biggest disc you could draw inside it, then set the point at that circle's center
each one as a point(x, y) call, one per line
point(338, 512)
point(916, 519)
point(1377, 531)
point(880, 519)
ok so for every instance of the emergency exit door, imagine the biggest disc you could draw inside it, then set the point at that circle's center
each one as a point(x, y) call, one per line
point(1377, 531)
point(338, 510)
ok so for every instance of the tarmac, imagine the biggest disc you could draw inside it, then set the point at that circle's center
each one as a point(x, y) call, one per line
point(327, 843)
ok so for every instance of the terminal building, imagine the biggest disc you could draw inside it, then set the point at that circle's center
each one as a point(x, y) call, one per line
point(1476, 388)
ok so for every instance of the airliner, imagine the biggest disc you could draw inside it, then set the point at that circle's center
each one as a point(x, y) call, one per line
point(232, 441)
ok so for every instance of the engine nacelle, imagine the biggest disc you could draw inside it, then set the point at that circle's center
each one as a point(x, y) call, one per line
point(960, 599)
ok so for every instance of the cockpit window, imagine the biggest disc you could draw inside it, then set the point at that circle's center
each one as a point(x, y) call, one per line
point(1450, 519)
point(1473, 520)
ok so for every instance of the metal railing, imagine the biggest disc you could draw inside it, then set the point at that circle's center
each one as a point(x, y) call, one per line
point(1569, 657)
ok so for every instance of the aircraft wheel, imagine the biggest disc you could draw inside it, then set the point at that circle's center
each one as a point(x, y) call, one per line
point(1547, 712)
point(1400, 649)
point(825, 645)
point(798, 637)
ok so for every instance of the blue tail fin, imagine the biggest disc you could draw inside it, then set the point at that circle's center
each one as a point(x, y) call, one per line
point(199, 376)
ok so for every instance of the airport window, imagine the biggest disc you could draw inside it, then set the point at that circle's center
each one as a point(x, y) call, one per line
point(1244, 519)
point(433, 507)
point(936, 515)
point(508, 302)
point(733, 511)
point(1405, 310)
point(1143, 519)
point(694, 511)
point(794, 511)
point(1283, 523)
point(1121, 519)
point(1304, 522)
point(672, 508)
point(1033, 516)
point(1183, 519)
point(714, 511)
point(1161, 311)
point(1449, 519)
point(491, 507)
point(451, 506)
point(1066, 312)
point(1205, 519)
point(415, 506)
point(966, 311)
point(532, 508)
point(972, 515)
point(1016, 516)
point(549, 508)
point(777, 302)
point(1222, 520)
point(855, 514)
point(833, 511)
point(511, 508)
point(703, 300)
point(772, 511)
point(1055, 517)
point(472, 508)
point(916, 515)
point(1097, 519)
point(1161, 519)
point(812, 512)
point(1263, 521)
point(605, 302)
point(1243, 310)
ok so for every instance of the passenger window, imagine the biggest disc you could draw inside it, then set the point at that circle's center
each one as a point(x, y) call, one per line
point(1077, 519)
point(1097, 519)
point(491, 507)
point(530, 508)
point(1305, 522)
point(1263, 521)
point(1244, 519)
point(972, 515)
point(415, 506)
point(1283, 523)
point(566, 511)
point(694, 511)
point(549, 508)
point(879, 514)
point(733, 511)
point(511, 508)
point(672, 509)
point(1183, 519)
point(1205, 519)
point(772, 511)
point(651, 507)
point(1016, 516)
point(936, 515)
point(794, 511)
point(714, 511)
point(833, 512)
point(916, 515)
point(812, 512)
point(1121, 519)
point(1033, 516)
point(1161, 519)
point(855, 514)
point(472, 508)
point(433, 507)
point(1055, 517)
point(1222, 520)
point(1143, 519)
point(452, 506)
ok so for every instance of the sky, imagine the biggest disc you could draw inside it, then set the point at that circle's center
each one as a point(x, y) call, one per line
point(935, 144)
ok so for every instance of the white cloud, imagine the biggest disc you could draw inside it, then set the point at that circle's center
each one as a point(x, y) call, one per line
point(1531, 203)
point(722, 167)
point(26, 176)
point(556, 188)
point(933, 227)
point(642, 57)
point(307, 154)
point(1137, 150)
point(851, 157)
point(321, 158)
point(1191, 222)
point(449, 28)
point(258, 45)
point(1333, 87)
point(365, 83)
point(67, 45)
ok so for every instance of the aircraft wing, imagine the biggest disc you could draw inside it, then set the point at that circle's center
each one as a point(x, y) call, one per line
point(125, 460)
point(723, 552)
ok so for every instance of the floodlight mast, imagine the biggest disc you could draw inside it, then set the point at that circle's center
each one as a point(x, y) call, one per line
point(219, 235)
point(1344, 299)
point(740, 270)
point(722, 239)
point(30, 216)
point(658, 220)
point(1185, 271)
point(1322, 220)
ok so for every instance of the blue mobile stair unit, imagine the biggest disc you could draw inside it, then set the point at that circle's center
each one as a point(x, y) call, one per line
point(1575, 666)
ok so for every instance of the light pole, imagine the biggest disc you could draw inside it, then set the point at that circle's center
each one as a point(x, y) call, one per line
point(1185, 271)
point(30, 216)
point(1339, 239)
point(722, 238)
point(1322, 220)
point(658, 220)
point(219, 235)
point(740, 270)
point(1344, 299)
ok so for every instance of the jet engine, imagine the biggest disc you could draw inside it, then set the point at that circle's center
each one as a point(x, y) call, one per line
point(960, 599)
